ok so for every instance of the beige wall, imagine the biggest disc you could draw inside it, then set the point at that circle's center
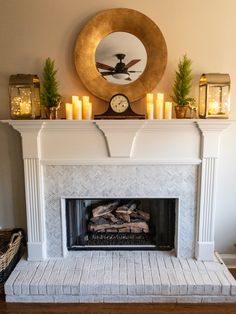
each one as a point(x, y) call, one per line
point(30, 31)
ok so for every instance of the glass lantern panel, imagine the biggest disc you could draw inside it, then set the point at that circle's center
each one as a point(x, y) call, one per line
point(202, 100)
point(20, 102)
point(218, 100)
point(25, 94)
point(36, 103)
point(225, 102)
point(15, 102)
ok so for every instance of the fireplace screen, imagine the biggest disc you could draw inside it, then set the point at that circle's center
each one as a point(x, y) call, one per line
point(121, 223)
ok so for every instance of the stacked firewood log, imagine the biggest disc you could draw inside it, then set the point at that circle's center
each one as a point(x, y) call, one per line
point(116, 217)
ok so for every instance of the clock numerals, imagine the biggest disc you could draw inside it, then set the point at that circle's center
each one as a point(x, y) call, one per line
point(120, 107)
point(119, 103)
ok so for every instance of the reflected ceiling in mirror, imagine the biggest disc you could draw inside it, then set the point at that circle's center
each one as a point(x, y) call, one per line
point(120, 58)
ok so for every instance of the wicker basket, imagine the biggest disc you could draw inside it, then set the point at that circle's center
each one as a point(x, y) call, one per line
point(10, 252)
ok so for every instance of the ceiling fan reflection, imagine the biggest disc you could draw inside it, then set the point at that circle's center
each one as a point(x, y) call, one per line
point(121, 70)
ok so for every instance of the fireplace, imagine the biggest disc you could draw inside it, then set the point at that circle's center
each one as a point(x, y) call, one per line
point(88, 160)
point(167, 168)
point(130, 223)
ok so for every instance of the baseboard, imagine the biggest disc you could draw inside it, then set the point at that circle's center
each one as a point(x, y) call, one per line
point(229, 260)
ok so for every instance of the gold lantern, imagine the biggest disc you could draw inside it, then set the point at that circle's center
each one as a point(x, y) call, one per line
point(214, 96)
point(24, 92)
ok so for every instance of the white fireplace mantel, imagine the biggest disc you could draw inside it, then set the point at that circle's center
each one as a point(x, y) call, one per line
point(110, 141)
point(64, 142)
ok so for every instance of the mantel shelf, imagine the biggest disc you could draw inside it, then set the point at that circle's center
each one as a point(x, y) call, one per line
point(112, 124)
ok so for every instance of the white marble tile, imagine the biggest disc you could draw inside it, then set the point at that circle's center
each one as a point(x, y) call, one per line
point(133, 181)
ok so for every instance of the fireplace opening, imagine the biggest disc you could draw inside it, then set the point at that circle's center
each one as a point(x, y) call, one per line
point(121, 223)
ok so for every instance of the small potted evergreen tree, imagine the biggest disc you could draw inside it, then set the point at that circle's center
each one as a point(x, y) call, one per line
point(182, 87)
point(51, 99)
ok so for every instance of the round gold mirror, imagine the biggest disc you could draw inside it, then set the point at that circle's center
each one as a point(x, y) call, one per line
point(91, 65)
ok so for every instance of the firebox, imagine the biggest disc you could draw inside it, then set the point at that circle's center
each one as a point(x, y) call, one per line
point(145, 223)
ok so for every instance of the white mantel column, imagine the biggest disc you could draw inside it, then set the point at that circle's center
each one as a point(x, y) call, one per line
point(210, 140)
point(30, 134)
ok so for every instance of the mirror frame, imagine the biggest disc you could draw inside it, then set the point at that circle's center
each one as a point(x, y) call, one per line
point(120, 20)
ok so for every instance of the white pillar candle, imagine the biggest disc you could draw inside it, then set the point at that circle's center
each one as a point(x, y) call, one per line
point(88, 111)
point(85, 102)
point(69, 111)
point(149, 106)
point(168, 110)
point(150, 111)
point(159, 106)
point(75, 99)
point(149, 98)
point(77, 109)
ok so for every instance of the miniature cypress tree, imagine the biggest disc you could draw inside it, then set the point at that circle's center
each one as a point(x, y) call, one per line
point(183, 82)
point(50, 96)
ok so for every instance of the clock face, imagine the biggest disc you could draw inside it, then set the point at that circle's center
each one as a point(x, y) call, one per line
point(119, 103)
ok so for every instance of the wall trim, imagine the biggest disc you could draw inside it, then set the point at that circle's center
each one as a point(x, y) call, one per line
point(229, 260)
point(122, 161)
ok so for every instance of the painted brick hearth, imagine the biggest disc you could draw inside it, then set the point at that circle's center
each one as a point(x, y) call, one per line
point(146, 277)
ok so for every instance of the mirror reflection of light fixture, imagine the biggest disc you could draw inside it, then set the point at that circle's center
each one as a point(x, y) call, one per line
point(214, 95)
point(120, 76)
point(122, 67)
point(24, 90)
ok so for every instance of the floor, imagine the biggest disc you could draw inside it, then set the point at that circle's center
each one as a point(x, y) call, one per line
point(16, 308)
point(121, 277)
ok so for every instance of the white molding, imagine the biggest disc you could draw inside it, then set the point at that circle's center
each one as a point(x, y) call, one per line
point(36, 251)
point(229, 260)
point(207, 201)
point(25, 125)
point(84, 126)
point(214, 125)
point(168, 125)
point(211, 130)
point(120, 161)
point(35, 209)
point(120, 136)
point(63, 228)
point(210, 140)
point(205, 251)
point(177, 226)
point(30, 134)
point(62, 123)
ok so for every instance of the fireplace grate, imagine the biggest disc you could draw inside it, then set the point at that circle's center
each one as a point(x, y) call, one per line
point(117, 238)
